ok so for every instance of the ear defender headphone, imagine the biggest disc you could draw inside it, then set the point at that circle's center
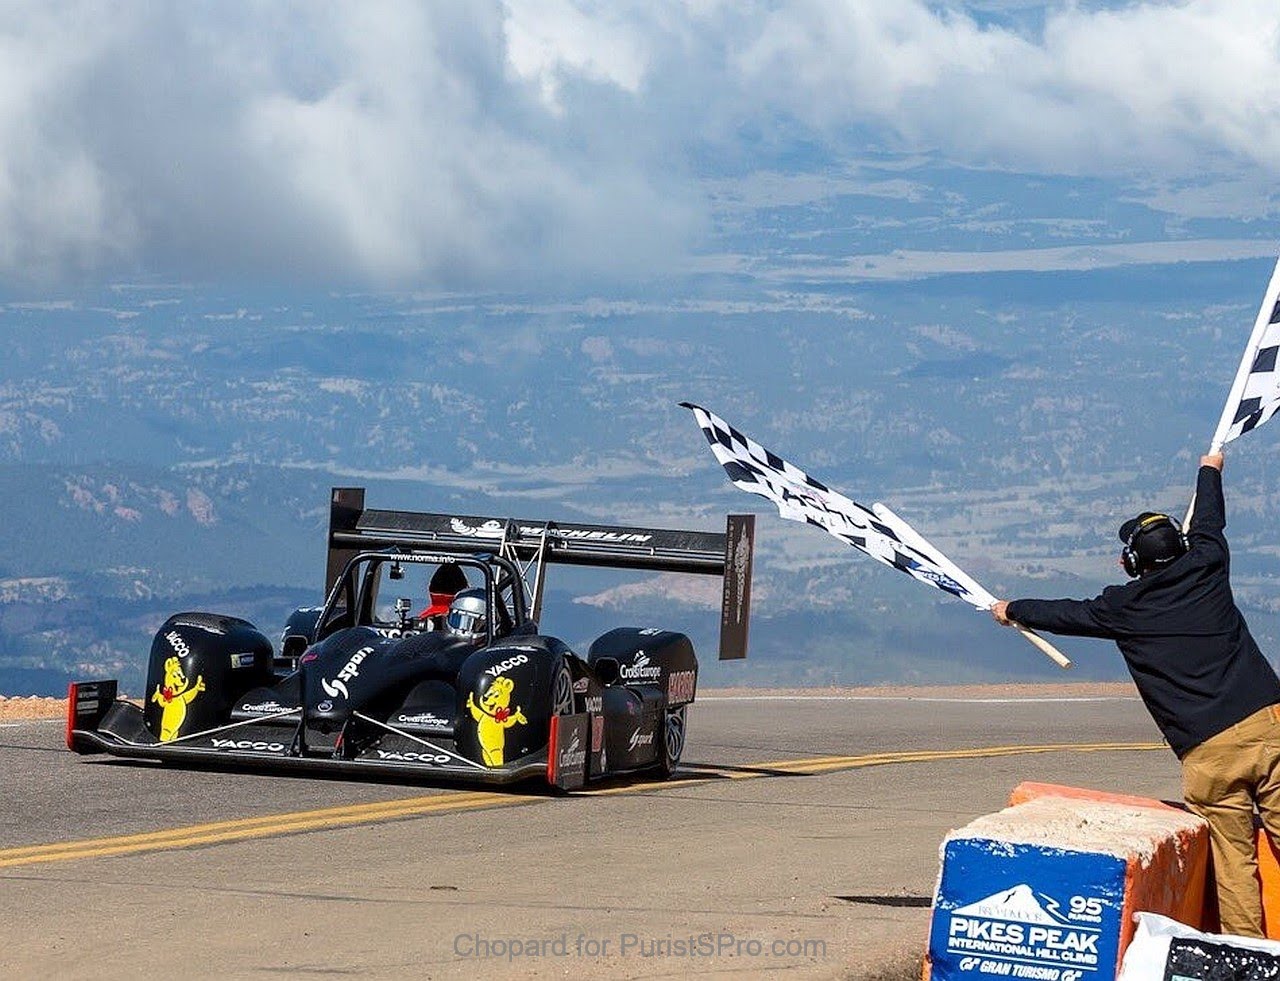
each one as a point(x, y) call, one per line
point(1129, 557)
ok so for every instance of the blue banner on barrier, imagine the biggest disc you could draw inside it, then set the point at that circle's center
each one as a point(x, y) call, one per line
point(1025, 911)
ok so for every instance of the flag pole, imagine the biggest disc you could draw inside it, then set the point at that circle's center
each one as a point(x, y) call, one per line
point(1045, 647)
point(1228, 418)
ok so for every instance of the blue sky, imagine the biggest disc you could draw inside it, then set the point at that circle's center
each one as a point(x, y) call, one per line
point(475, 145)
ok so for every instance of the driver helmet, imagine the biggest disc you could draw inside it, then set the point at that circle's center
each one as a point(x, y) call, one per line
point(447, 582)
point(468, 615)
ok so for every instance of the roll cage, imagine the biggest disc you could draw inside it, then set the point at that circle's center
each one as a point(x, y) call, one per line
point(353, 596)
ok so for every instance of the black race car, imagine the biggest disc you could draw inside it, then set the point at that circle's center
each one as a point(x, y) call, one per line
point(469, 688)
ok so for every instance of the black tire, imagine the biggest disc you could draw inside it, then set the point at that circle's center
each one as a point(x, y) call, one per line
point(673, 736)
point(562, 698)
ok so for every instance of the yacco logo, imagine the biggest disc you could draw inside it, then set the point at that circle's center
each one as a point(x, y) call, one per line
point(248, 744)
point(435, 759)
point(640, 669)
point(394, 632)
point(637, 740)
point(177, 643)
point(349, 670)
point(502, 667)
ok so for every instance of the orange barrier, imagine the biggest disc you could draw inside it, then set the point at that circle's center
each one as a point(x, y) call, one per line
point(1031, 790)
point(1198, 908)
point(1268, 857)
point(1269, 873)
point(1051, 883)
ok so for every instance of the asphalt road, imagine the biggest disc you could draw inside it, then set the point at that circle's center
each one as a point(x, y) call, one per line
point(802, 834)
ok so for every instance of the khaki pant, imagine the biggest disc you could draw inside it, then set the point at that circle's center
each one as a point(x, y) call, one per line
point(1222, 779)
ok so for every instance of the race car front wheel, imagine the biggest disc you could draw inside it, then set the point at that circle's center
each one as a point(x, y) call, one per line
point(673, 731)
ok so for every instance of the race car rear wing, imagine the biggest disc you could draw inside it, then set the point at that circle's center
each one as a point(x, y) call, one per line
point(533, 545)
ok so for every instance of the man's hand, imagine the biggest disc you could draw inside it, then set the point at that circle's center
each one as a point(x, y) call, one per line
point(1214, 460)
point(1000, 610)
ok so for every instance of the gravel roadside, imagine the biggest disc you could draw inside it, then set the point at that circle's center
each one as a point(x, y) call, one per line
point(36, 707)
point(32, 708)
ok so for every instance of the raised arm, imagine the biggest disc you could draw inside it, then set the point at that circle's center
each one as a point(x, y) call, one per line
point(1210, 515)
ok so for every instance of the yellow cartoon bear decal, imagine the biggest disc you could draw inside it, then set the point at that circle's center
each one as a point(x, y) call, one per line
point(494, 717)
point(176, 694)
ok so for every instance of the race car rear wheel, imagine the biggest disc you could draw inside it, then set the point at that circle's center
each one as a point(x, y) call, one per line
point(673, 731)
point(562, 691)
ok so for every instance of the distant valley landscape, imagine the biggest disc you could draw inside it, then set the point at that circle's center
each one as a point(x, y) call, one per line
point(169, 447)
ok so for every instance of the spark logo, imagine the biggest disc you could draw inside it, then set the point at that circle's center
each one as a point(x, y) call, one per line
point(338, 687)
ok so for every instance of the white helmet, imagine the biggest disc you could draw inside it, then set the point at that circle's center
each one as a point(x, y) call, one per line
point(468, 615)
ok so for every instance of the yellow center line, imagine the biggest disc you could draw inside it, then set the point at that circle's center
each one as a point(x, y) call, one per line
point(828, 764)
point(369, 811)
point(263, 827)
point(345, 816)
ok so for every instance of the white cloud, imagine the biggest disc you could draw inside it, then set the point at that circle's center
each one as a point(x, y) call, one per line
point(1150, 85)
point(551, 40)
point(473, 142)
point(383, 142)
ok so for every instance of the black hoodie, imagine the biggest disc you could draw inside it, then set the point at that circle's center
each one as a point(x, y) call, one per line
point(1196, 666)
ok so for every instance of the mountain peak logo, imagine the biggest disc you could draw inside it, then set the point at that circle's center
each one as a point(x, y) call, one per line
point(1019, 904)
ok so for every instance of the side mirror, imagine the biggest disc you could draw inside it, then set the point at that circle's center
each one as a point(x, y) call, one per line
point(606, 669)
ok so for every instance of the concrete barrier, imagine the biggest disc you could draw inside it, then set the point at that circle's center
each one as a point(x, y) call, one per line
point(1046, 889)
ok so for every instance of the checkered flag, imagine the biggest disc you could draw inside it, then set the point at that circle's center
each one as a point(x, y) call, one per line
point(876, 530)
point(1255, 394)
point(800, 497)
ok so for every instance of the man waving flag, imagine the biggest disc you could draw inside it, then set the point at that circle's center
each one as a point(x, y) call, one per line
point(876, 530)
